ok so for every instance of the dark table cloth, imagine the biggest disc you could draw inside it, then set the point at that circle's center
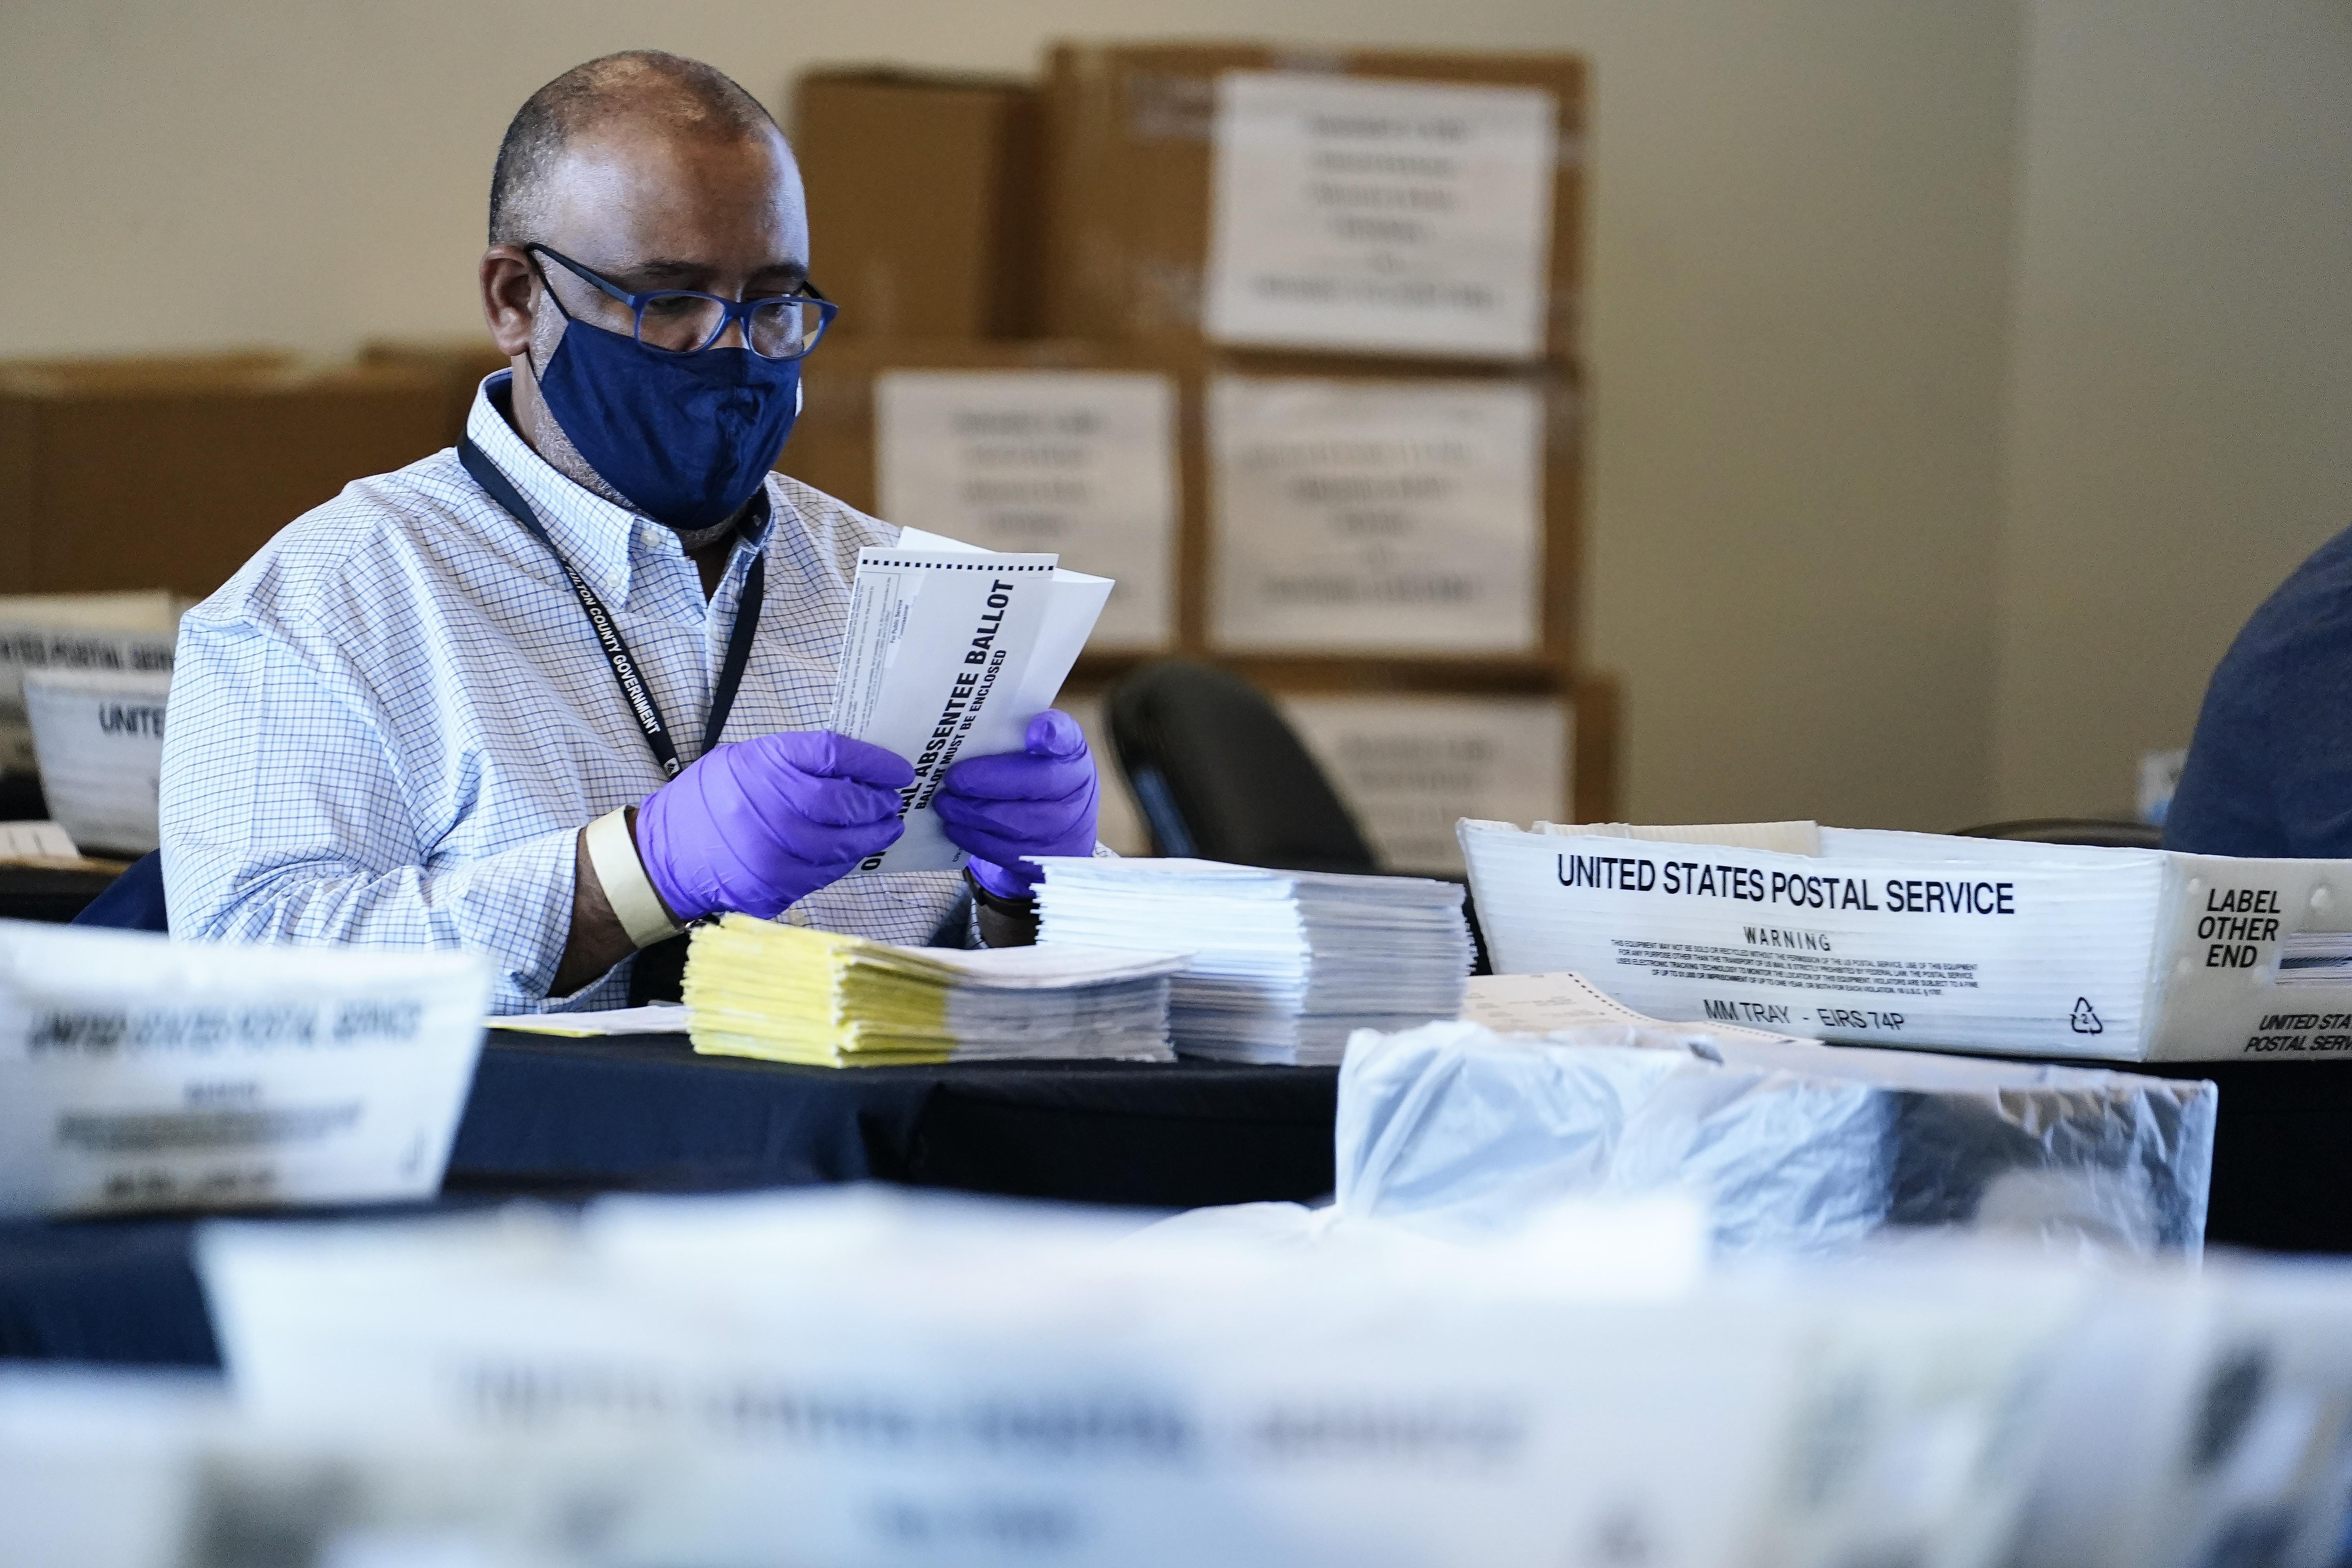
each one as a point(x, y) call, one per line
point(125, 1290)
point(564, 1118)
point(644, 1112)
point(35, 893)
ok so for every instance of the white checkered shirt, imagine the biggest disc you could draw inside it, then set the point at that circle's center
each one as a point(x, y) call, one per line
point(389, 726)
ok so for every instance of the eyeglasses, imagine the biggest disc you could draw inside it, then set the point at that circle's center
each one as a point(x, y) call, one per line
point(682, 320)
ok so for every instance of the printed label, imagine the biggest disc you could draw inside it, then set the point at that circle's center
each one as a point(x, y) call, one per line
point(1080, 464)
point(1381, 216)
point(1410, 768)
point(1377, 516)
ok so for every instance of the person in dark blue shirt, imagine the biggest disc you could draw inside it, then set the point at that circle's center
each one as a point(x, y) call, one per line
point(2270, 770)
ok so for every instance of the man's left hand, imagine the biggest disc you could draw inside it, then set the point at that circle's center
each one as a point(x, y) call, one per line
point(1037, 801)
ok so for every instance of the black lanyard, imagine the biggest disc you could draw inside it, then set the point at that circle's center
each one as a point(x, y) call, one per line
point(501, 489)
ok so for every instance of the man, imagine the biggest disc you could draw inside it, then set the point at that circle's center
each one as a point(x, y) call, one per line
point(2270, 770)
point(472, 703)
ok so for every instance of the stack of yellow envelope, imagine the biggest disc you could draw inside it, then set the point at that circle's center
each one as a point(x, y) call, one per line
point(762, 988)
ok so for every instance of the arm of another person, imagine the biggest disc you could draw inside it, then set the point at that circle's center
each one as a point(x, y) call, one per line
point(285, 819)
point(2270, 769)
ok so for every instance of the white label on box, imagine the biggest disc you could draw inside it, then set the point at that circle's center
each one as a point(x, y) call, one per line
point(1377, 516)
point(1410, 768)
point(1080, 464)
point(1118, 822)
point(1380, 216)
point(1884, 939)
point(100, 741)
point(140, 1073)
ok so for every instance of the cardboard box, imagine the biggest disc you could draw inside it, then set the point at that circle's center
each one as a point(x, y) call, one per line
point(1403, 747)
point(1129, 175)
point(460, 364)
point(1590, 699)
point(1065, 448)
point(922, 201)
point(834, 448)
point(1412, 765)
point(171, 473)
point(832, 445)
point(1378, 491)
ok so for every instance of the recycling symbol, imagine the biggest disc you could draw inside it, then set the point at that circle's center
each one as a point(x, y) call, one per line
point(2083, 1020)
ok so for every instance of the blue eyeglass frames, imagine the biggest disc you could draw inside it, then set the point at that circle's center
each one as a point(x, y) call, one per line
point(682, 320)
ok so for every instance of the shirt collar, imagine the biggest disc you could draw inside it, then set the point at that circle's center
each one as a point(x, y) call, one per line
point(596, 537)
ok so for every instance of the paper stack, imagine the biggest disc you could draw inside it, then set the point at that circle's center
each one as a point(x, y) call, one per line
point(787, 994)
point(1284, 964)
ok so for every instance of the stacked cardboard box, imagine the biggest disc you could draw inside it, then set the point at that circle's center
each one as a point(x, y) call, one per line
point(1071, 448)
point(1376, 259)
point(457, 364)
point(1356, 279)
point(148, 474)
point(922, 200)
point(1249, 194)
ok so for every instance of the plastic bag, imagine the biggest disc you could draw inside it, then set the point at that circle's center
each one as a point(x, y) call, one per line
point(1457, 1130)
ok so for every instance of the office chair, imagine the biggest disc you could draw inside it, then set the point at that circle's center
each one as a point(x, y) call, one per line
point(1219, 774)
point(2088, 831)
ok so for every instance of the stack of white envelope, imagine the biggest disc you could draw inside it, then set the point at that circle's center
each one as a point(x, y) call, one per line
point(1284, 964)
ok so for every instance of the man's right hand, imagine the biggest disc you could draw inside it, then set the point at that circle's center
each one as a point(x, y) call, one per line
point(759, 825)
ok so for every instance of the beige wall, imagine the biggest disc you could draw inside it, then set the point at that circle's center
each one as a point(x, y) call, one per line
point(2180, 400)
point(1802, 259)
point(1799, 285)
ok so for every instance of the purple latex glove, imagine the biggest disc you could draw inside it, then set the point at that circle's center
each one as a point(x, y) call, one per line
point(1040, 801)
point(759, 825)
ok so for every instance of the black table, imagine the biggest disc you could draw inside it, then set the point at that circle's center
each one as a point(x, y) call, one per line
point(566, 1119)
point(103, 1290)
point(125, 1291)
point(643, 1113)
point(21, 799)
point(33, 893)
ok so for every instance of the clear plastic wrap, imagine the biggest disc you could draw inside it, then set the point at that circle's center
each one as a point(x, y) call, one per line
point(1454, 1130)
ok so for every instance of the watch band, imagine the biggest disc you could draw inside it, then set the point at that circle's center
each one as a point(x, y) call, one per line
point(614, 853)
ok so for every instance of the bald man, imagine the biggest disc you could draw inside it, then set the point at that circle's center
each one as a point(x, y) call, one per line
point(558, 692)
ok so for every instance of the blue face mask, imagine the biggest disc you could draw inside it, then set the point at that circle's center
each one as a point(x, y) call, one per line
point(687, 437)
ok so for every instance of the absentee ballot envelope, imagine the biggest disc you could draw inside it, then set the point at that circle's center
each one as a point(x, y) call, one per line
point(141, 1073)
point(951, 650)
point(1917, 939)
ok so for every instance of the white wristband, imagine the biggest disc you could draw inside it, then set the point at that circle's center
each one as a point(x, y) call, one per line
point(628, 889)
